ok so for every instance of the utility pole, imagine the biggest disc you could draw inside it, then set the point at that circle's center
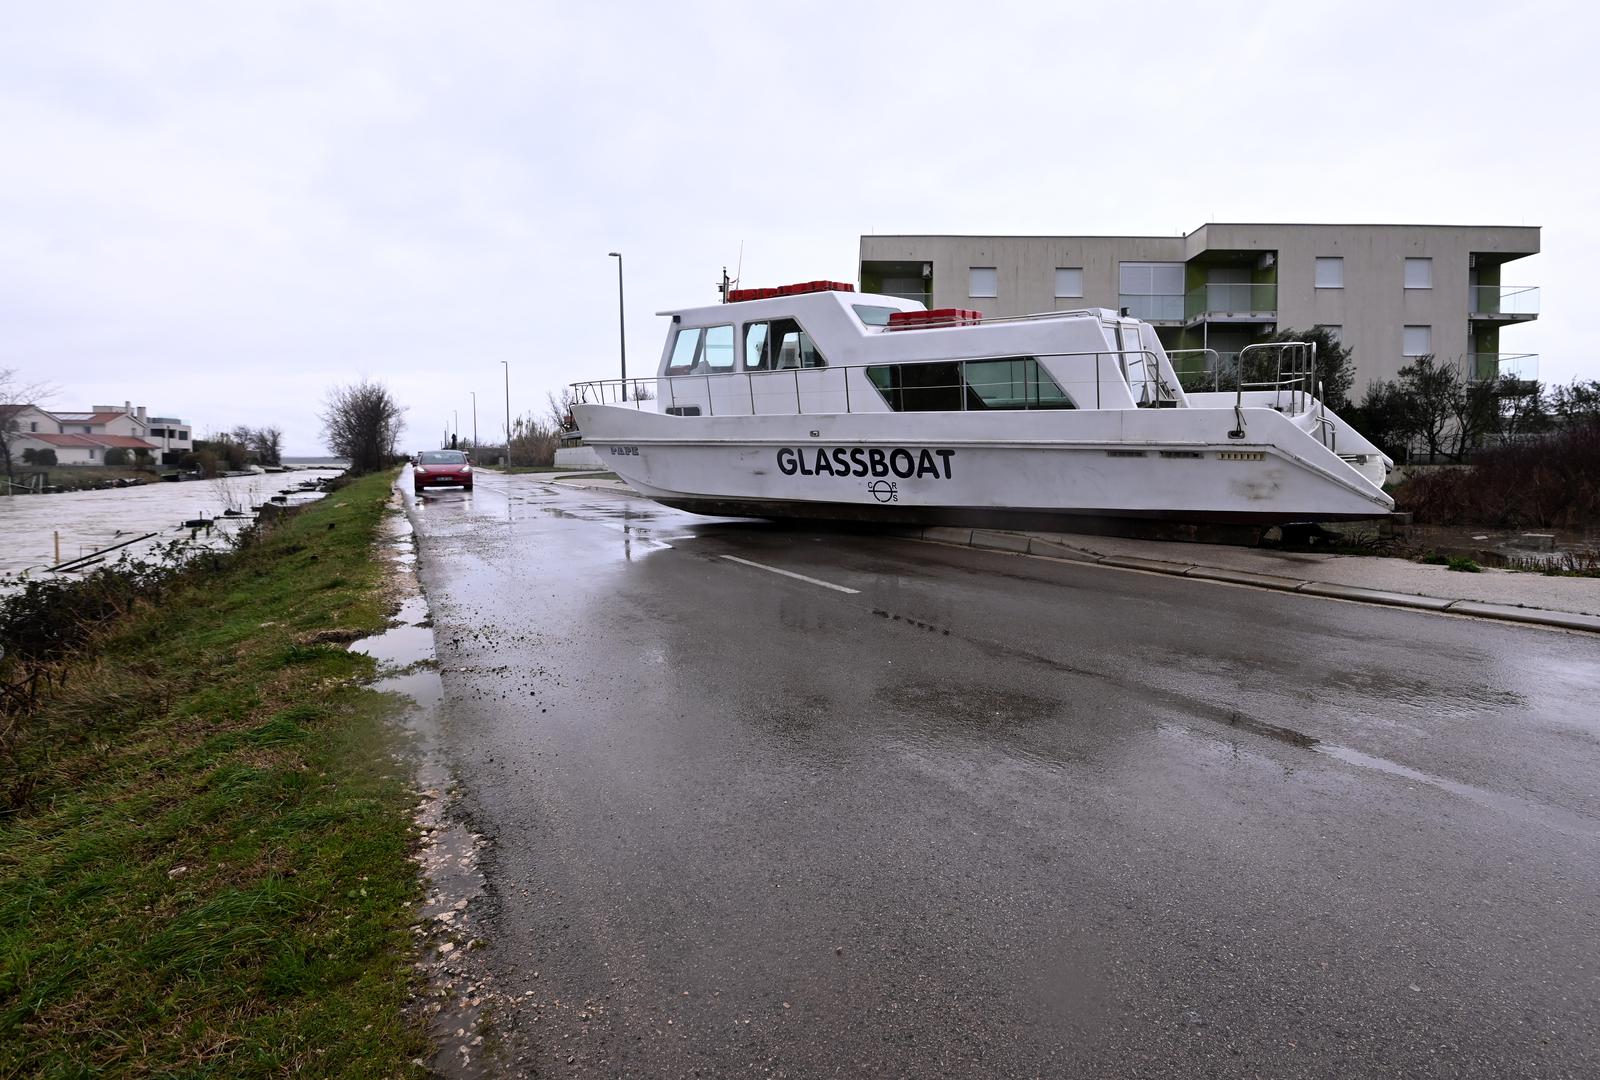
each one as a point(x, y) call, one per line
point(474, 421)
point(507, 365)
point(622, 326)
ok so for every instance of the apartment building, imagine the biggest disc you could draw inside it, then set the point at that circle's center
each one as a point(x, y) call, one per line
point(1388, 292)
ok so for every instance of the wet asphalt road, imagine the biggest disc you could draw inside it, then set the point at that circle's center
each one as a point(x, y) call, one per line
point(996, 816)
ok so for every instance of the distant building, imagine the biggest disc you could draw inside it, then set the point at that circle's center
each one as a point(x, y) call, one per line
point(1389, 292)
point(83, 438)
point(171, 434)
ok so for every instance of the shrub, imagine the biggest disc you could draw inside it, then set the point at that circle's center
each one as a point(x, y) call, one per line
point(1552, 482)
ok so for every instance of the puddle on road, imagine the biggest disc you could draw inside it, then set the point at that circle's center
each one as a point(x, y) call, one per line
point(459, 1000)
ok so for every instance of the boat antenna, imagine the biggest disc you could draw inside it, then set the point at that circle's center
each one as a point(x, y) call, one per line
point(738, 271)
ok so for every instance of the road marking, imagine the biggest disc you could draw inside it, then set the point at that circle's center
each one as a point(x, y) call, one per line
point(791, 573)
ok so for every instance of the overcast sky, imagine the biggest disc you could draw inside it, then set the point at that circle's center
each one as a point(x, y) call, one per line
point(221, 210)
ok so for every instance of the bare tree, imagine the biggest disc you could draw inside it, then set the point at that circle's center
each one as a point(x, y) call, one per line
point(267, 443)
point(1432, 391)
point(362, 422)
point(561, 409)
point(15, 395)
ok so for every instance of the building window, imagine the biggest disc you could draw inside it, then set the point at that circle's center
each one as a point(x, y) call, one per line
point(1152, 291)
point(983, 281)
point(1418, 341)
point(1419, 273)
point(1330, 272)
point(1069, 281)
point(33, 425)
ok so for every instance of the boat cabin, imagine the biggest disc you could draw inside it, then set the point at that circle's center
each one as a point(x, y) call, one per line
point(821, 347)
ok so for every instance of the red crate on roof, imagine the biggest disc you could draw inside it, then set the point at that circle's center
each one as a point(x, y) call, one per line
point(938, 317)
point(736, 296)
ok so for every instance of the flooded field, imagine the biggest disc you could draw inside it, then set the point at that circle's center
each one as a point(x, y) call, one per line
point(89, 521)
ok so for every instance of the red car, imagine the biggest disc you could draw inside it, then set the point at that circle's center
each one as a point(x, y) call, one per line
point(442, 467)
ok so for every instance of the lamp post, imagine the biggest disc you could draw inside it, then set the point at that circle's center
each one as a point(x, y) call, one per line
point(507, 365)
point(622, 326)
point(474, 421)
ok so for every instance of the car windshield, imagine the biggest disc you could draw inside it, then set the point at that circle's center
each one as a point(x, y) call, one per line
point(442, 457)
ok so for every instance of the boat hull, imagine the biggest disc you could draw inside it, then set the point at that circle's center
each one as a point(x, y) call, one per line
point(1053, 470)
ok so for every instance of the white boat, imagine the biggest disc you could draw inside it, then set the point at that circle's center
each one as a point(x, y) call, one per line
point(815, 401)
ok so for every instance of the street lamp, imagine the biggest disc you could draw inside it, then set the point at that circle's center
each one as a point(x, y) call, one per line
point(622, 326)
point(507, 365)
point(474, 421)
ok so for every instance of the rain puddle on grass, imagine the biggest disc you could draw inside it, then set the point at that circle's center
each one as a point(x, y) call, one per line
point(459, 1002)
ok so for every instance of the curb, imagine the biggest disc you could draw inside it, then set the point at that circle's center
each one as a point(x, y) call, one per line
point(1022, 544)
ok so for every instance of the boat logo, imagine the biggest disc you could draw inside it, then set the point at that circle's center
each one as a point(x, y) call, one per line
point(884, 490)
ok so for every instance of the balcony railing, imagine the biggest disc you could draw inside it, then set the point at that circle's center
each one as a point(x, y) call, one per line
point(1231, 298)
point(1507, 300)
point(1153, 307)
point(923, 298)
point(1486, 367)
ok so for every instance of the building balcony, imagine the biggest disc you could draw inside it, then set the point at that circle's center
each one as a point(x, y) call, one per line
point(1153, 307)
point(1511, 303)
point(1487, 367)
point(923, 298)
point(1242, 302)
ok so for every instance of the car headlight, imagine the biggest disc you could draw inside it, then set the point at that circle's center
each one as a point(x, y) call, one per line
point(466, 468)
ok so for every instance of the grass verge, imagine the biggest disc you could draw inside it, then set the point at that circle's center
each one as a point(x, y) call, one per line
point(210, 876)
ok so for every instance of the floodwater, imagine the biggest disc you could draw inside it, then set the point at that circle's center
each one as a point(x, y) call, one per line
point(89, 521)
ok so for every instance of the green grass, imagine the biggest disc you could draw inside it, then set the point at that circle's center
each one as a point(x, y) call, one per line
point(211, 874)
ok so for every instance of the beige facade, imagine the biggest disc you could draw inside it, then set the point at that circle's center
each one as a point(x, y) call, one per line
point(1389, 291)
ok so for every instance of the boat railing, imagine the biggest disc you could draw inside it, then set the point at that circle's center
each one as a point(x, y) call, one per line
point(1139, 370)
point(1294, 378)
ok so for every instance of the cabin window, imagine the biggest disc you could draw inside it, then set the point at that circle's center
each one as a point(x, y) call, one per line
point(684, 350)
point(871, 315)
point(755, 346)
point(708, 348)
point(718, 351)
point(1016, 382)
point(779, 345)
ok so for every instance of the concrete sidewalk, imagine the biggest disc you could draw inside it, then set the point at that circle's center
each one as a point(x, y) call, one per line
point(1570, 603)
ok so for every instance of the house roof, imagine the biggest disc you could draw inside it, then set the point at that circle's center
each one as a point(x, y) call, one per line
point(91, 417)
point(106, 442)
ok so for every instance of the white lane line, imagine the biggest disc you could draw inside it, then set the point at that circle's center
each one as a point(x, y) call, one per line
point(791, 573)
